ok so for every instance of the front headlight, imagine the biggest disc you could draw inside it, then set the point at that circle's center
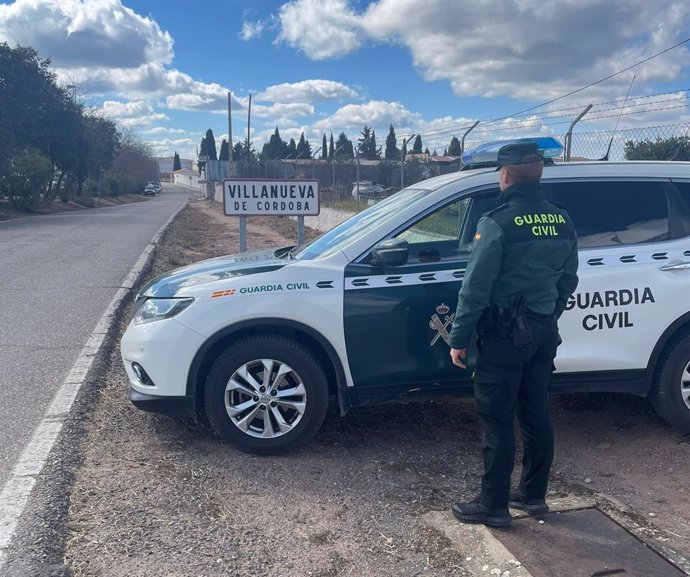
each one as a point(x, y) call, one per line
point(159, 309)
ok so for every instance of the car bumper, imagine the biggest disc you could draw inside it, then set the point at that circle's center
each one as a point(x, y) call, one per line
point(157, 357)
point(180, 406)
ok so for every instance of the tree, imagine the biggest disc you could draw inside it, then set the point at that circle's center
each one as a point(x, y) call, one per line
point(26, 176)
point(344, 147)
point(237, 151)
point(177, 165)
point(324, 148)
point(211, 145)
point(97, 145)
point(454, 149)
point(392, 151)
point(224, 153)
point(426, 151)
point(417, 146)
point(366, 146)
point(673, 148)
point(275, 148)
point(303, 148)
point(291, 149)
point(331, 148)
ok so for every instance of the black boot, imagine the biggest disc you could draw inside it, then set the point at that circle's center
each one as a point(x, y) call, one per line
point(475, 512)
point(530, 506)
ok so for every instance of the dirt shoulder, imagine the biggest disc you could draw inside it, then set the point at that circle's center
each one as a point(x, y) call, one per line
point(160, 496)
point(7, 211)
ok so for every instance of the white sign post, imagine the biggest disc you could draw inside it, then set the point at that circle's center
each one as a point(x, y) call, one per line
point(265, 197)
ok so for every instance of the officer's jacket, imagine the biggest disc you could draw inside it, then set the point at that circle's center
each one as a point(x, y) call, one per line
point(525, 247)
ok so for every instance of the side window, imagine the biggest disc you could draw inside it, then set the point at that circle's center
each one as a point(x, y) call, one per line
point(680, 209)
point(447, 233)
point(614, 213)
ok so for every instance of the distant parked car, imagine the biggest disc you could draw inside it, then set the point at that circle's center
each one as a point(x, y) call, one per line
point(149, 190)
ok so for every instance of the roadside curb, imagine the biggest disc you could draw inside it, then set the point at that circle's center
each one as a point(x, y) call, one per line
point(18, 489)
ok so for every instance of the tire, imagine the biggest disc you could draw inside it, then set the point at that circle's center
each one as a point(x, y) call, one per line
point(670, 394)
point(238, 397)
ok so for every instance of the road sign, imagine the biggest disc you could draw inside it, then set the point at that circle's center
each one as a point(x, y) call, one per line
point(255, 197)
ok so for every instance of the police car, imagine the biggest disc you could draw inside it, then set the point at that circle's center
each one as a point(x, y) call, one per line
point(262, 341)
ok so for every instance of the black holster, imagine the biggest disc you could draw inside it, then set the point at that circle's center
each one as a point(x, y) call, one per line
point(522, 334)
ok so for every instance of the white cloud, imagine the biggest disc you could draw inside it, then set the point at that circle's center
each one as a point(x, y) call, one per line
point(163, 130)
point(252, 30)
point(375, 113)
point(136, 113)
point(325, 29)
point(307, 91)
point(83, 34)
point(527, 49)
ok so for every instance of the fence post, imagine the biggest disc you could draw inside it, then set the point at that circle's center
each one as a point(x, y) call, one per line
point(569, 135)
point(462, 142)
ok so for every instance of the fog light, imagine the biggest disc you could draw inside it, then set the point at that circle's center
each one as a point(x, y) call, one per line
point(141, 375)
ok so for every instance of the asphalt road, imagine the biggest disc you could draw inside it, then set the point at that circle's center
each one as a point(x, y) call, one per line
point(58, 274)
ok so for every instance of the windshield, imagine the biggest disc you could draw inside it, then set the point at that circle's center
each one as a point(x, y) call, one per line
point(360, 224)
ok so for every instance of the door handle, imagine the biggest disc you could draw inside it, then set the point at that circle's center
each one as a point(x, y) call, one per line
point(675, 265)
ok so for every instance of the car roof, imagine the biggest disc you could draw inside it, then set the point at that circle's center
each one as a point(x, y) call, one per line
point(606, 169)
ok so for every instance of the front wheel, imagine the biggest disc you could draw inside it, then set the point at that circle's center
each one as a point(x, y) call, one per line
point(670, 392)
point(266, 394)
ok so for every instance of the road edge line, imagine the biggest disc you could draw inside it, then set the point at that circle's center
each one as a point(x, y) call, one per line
point(17, 490)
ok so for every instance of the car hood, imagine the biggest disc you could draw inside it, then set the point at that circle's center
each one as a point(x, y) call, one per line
point(169, 284)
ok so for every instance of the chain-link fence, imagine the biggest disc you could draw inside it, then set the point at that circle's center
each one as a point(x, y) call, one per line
point(338, 177)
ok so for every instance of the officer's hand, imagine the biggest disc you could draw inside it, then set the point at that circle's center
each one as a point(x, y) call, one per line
point(457, 356)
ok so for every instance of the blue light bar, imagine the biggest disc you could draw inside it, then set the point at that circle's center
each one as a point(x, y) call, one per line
point(487, 154)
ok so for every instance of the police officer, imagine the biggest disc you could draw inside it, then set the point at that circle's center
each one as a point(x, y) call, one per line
point(522, 270)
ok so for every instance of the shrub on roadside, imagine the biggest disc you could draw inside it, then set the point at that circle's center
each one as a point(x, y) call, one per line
point(26, 176)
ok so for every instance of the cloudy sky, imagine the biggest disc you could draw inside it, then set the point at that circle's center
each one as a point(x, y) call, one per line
point(428, 67)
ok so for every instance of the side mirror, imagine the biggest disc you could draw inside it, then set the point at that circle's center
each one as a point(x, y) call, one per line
point(391, 252)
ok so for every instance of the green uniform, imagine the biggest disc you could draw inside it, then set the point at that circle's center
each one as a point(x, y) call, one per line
point(526, 247)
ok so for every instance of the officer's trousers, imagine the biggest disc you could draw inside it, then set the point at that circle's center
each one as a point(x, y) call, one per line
point(510, 381)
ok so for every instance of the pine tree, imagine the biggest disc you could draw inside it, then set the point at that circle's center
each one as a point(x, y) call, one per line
point(331, 148)
point(292, 149)
point(224, 150)
point(392, 151)
point(275, 148)
point(426, 151)
point(324, 148)
point(177, 165)
point(237, 151)
point(344, 146)
point(211, 145)
point(454, 149)
point(417, 147)
point(366, 146)
point(303, 148)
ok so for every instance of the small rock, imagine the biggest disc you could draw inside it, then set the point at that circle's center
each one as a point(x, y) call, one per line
point(506, 574)
point(468, 558)
point(485, 567)
point(588, 481)
point(541, 522)
point(652, 514)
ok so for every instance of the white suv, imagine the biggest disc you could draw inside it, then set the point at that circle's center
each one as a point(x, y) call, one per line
point(260, 341)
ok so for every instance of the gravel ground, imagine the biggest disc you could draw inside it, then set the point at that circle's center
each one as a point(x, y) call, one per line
point(160, 496)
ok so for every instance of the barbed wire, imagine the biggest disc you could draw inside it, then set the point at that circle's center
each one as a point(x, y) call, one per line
point(486, 124)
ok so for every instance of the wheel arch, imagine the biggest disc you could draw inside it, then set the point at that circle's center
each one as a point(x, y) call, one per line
point(312, 339)
point(676, 329)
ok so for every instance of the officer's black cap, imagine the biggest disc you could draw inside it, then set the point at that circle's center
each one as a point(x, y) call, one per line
point(518, 153)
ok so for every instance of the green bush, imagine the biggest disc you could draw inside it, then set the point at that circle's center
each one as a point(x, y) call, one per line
point(26, 176)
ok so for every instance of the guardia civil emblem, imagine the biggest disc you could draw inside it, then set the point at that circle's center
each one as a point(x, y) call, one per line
point(440, 321)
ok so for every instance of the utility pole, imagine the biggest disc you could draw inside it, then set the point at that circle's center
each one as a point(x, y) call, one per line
point(230, 171)
point(402, 160)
